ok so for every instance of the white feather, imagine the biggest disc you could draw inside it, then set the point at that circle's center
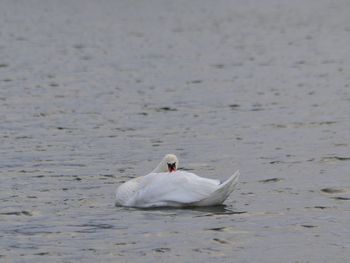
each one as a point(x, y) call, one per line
point(177, 189)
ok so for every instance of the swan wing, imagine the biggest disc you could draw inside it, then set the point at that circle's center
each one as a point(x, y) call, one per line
point(172, 189)
point(221, 193)
point(127, 190)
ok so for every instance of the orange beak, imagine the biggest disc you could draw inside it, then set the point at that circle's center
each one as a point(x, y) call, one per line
point(171, 167)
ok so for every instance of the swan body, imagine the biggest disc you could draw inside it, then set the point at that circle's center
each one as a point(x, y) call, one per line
point(167, 186)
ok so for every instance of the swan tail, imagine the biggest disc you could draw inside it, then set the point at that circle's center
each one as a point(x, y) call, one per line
point(220, 194)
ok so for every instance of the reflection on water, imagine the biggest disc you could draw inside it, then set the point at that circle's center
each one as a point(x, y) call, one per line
point(217, 210)
point(206, 211)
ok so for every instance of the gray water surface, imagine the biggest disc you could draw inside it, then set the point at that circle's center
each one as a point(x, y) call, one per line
point(94, 93)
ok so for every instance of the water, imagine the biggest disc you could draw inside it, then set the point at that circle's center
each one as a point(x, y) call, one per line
point(93, 93)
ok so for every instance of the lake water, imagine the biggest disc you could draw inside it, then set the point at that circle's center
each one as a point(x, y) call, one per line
point(93, 93)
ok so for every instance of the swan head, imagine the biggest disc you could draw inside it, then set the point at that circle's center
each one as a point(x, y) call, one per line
point(170, 163)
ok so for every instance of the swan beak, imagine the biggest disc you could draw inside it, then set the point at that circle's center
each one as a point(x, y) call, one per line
point(171, 167)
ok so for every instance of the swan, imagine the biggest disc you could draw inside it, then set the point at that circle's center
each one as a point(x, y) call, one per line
point(168, 186)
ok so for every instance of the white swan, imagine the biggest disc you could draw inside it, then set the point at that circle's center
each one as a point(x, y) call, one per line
point(167, 186)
